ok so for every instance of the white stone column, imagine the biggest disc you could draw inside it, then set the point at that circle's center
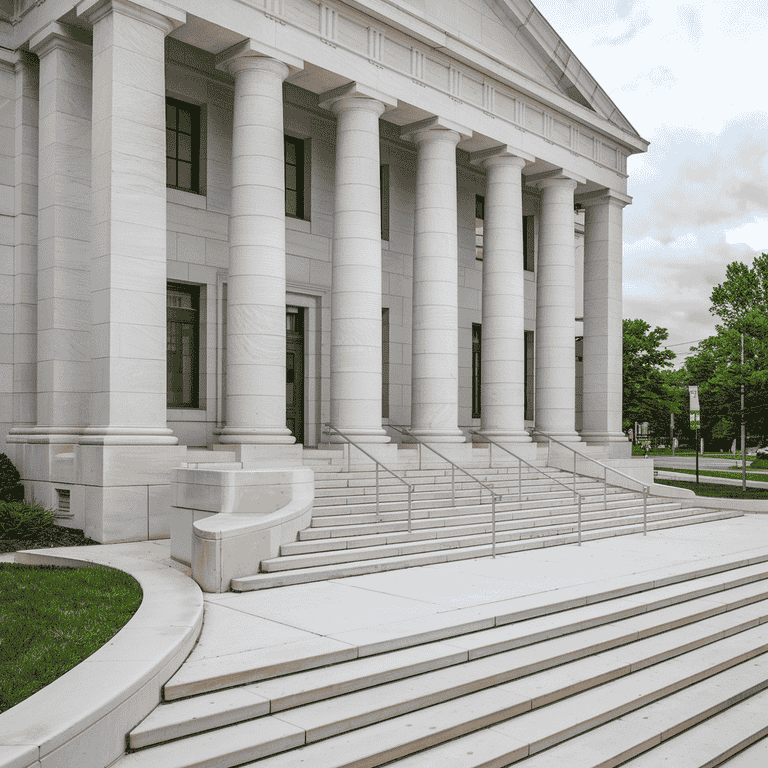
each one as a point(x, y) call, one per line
point(603, 330)
point(256, 283)
point(435, 356)
point(356, 271)
point(64, 232)
point(128, 222)
point(503, 351)
point(555, 306)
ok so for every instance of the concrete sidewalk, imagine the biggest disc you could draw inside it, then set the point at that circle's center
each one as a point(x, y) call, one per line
point(357, 608)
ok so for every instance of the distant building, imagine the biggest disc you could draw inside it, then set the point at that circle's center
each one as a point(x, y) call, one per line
point(231, 222)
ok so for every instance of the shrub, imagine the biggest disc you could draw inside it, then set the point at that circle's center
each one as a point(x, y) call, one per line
point(10, 487)
point(760, 463)
point(25, 521)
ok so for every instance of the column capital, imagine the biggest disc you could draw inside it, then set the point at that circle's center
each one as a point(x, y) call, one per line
point(354, 92)
point(8, 59)
point(250, 54)
point(155, 12)
point(602, 196)
point(501, 154)
point(553, 178)
point(53, 36)
point(439, 127)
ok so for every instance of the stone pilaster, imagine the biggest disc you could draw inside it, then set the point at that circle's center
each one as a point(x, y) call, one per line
point(435, 358)
point(64, 233)
point(24, 320)
point(502, 362)
point(555, 318)
point(356, 275)
point(128, 222)
point(603, 331)
point(256, 283)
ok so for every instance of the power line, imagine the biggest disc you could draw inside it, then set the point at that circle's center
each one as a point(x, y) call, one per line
point(681, 343)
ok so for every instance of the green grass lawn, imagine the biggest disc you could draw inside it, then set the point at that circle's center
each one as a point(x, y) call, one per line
point(758, 476)
point(52, 618)
point(718, 490)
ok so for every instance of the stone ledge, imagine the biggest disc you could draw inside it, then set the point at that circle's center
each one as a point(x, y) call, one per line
point(82, 717)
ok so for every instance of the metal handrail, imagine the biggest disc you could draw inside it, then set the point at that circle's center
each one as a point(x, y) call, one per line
point(378, 464)
point(606, 468)
point(454, 467)
point(520, 462)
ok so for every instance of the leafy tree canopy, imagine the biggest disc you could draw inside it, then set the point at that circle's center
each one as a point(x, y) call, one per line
point(650, 392)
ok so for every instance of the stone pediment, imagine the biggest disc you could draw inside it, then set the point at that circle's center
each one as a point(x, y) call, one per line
point(514, 33)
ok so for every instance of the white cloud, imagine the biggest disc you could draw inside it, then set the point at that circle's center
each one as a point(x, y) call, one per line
point(754, 234)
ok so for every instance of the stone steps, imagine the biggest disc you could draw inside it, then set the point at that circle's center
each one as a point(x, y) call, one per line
point(611, 668)
point(307, 554)
point(359, 566)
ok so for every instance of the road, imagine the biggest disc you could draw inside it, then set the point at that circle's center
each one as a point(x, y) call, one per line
point(689, 462)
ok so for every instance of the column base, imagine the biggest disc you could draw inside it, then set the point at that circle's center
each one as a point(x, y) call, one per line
point(616, 443)
point(362, 436)
point(127, 436)
point(255, 436)
point(438, 435)
point(32, 434)
point(506, 436)
point(563, 437)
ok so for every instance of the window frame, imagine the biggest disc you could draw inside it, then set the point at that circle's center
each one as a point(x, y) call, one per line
point(477, 366)
point(384, 200)
point(528, 240)
point(195, 293)
point(479, 229)
point(195, 138)
point(300, 150)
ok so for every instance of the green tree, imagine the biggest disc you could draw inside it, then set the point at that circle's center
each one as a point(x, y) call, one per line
point(741, 302)
point(651, 393)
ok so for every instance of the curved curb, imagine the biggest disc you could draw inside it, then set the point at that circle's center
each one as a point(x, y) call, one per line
point(82, 717)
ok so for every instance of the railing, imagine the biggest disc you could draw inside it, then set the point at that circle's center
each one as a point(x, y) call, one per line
point(606, 469)
point(520, 462)
point(378, 464)
point(454, 467)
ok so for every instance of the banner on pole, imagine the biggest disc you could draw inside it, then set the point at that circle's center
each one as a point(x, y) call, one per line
point(693, 392)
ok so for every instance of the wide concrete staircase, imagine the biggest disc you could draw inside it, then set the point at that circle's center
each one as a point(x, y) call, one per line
point(349, 536)
point(664, 670)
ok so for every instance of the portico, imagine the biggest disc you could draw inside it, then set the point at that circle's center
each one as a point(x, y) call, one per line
point(408, 196)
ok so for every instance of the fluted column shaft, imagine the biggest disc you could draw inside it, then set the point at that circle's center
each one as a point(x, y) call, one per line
point(356, 272)
point(434, 400)
point(555, 312)
point(256, 282)
point(502, 362)
point(603, 331)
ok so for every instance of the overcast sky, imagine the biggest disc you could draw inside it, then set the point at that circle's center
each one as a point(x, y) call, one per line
point(690, 77)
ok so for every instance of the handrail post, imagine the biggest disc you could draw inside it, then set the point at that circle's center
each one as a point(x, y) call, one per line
point(377, 489)
point(520, 481)
point(579, 519)
point(574, 473)
point(453, 486)
point(410, 489)
point(645, 510)
point(349, 457)
point(493, 524)
point(605, 488)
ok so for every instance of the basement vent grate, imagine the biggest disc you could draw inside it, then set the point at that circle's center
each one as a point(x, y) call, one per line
point(63, 508)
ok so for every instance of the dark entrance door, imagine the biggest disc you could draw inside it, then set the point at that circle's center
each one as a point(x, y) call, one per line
point(294, 371)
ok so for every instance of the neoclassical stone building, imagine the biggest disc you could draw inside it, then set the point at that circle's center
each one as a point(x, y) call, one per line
point(228, 223)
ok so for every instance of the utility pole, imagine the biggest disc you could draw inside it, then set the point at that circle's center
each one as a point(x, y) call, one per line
point(743, 425)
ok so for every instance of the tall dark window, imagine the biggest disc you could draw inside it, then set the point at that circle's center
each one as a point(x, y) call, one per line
point(182, 145)
point(294, 178)
point(183, 331)
point(529, 374)
point(479, 225)
point(528, 243)
point(476, 363)
point(384, 363)
point(384, 186)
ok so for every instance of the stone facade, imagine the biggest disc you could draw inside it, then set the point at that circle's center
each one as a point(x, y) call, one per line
point(413, 137)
